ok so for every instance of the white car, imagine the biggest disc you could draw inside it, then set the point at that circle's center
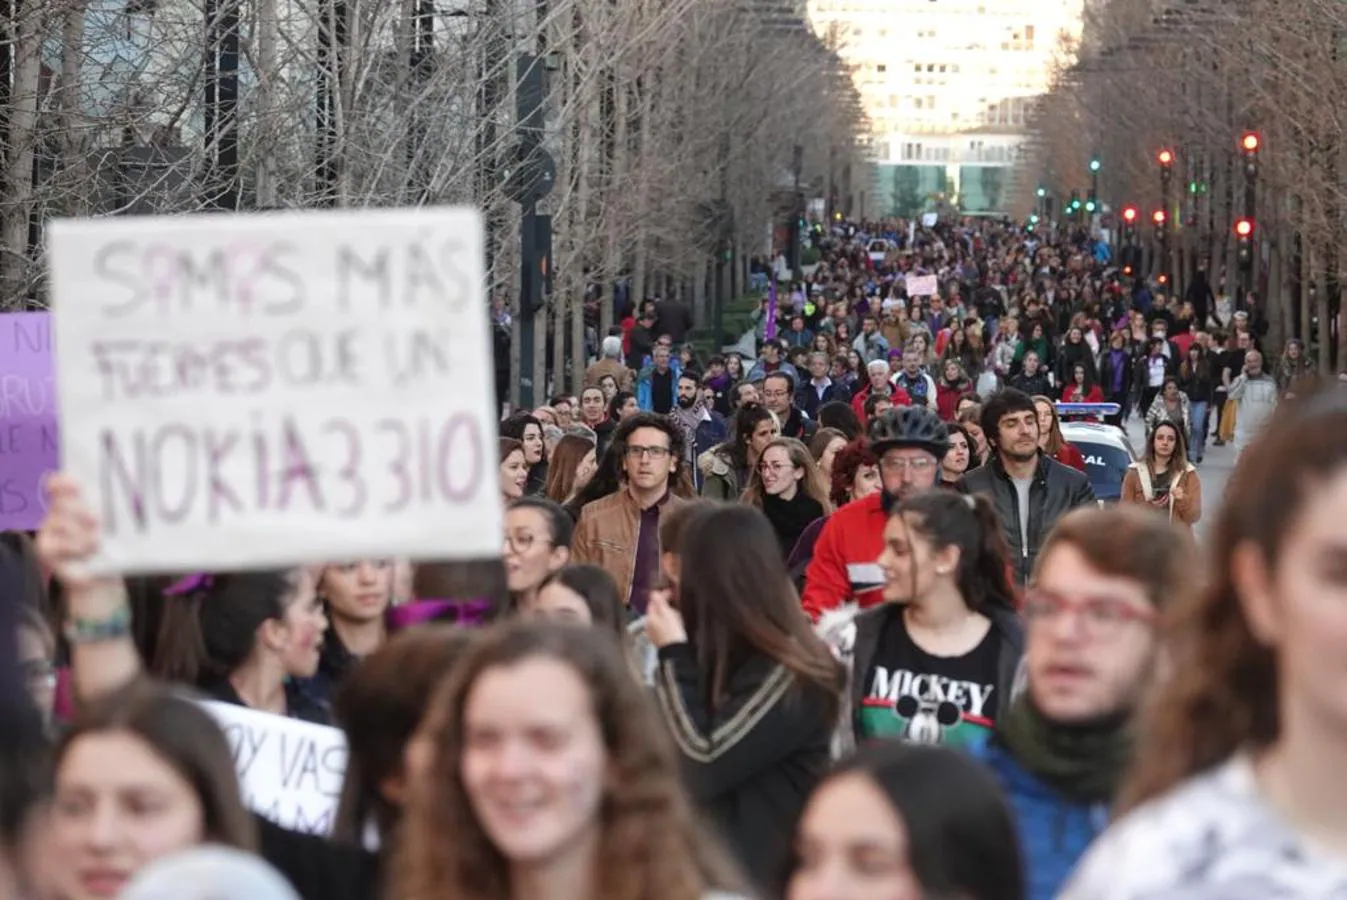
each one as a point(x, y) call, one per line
point(1107, 453)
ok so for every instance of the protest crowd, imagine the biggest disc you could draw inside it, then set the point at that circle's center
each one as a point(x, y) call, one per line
point(863, 612)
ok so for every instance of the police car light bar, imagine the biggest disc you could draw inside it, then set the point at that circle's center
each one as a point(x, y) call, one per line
point(1087, 409)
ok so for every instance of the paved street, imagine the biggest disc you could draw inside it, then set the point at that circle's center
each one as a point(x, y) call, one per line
point(1216, 467)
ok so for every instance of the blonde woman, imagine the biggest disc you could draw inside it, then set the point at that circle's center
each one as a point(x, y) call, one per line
point(789, 488)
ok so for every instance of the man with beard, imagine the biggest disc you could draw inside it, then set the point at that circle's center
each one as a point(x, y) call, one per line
point(702, 428)
point(1091, 651)
point(1029, 490)
point(909, 441)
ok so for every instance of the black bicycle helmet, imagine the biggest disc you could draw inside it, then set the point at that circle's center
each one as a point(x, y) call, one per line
point(909, 426)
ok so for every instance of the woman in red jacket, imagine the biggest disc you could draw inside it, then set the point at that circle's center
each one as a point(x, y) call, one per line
point(1082, 388)
point(1050, 439)
point(953, 384)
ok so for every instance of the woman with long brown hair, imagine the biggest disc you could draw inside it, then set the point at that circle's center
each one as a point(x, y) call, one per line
point(514, 470)
point(748, 691)
point(948, 618)
point(141, 774)
point(1050, 439)
point(1163, 479)
point(1237, 788)
point(543, 772)
point(571, 465)
point(789, 489)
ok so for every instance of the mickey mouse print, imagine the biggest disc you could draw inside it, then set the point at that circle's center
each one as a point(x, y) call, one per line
point(913, 696)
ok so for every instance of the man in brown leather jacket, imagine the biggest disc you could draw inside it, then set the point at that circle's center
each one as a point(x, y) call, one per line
point(620, 532)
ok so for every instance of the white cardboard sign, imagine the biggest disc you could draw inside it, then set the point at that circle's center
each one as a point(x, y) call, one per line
point(922, 285)
point(253, 391)
point(289, 771)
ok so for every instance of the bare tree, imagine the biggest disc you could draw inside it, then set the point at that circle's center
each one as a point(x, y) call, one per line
point(655, 108)
point(1194, 77)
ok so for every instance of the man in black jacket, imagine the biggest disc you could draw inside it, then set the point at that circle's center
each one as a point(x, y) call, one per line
point(1030, 491)
point(818, 388)
point(778, 395)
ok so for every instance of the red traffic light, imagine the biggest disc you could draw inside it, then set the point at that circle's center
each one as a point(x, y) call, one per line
point(1129, 214)
point(1158, 217)
point(1243, 227)
point(1249, 142)
point(1165, 157)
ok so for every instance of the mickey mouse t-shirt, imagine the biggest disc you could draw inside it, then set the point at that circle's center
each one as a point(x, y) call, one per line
point(913, 696)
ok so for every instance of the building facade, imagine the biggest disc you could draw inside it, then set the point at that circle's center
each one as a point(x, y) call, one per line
point(949, 86)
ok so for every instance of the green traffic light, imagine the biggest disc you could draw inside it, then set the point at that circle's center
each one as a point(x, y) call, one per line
point(1033, 220)
point(1094, 165)
point(1089, 206)
point(1042, 192)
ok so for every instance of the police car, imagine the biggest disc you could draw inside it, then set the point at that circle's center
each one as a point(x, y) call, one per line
point(1106, 449)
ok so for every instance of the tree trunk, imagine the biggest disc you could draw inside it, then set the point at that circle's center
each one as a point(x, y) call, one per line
point(17, 175)
point(1325, 320)
point(269, 126)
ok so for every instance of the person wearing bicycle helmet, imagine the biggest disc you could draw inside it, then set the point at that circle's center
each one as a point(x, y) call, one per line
point(910, 441)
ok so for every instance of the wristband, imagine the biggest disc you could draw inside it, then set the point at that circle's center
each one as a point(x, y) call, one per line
point(111, 627)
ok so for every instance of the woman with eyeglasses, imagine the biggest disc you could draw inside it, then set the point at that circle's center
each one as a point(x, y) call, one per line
point(727, 468)
point(537, 544)
point(789, 489)
point(936, 661)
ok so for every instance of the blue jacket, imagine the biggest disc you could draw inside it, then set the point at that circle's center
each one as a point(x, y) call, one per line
point(1054, 832)
point(645, 398)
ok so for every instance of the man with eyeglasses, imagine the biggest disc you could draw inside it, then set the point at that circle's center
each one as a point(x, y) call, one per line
point(778, 395)
point(620, 532)
point(1029, 490)
point(1091, 650)
point(910, 441)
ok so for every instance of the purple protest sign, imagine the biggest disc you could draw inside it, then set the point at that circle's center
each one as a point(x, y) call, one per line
point(29, 439)
point(769, 330)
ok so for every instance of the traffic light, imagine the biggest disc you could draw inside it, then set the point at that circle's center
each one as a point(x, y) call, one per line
point(1094, 165)
point(1244, 242)
point(1250, 142)
point(1166, 159)
point(1129, 226)
point(1042, 192)
point(1158, 217)
point(1033, 219)
point(1090, 205)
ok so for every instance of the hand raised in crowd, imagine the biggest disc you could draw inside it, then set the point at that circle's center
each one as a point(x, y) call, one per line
point(663, 622)
point(69, 536)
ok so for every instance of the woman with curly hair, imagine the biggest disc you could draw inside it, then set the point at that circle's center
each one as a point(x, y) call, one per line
point(544, 771)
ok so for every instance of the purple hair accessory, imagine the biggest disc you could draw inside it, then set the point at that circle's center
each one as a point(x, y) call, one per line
point(188, 583)
point(429, 609)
